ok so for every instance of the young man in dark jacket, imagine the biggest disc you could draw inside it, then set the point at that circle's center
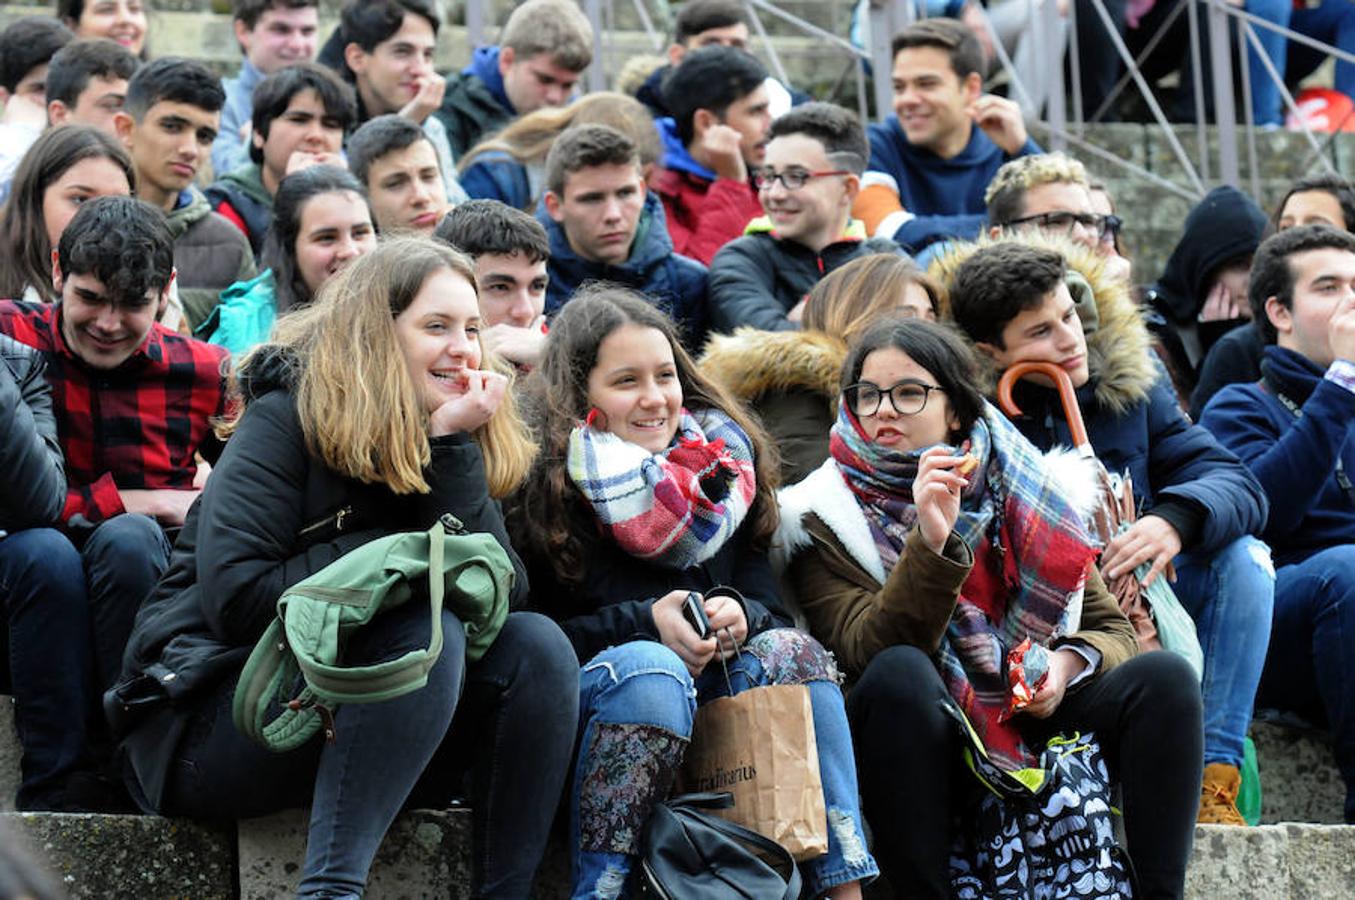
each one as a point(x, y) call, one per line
point(715, 139)
point(168, 124)
point(1295, 430)
point(133, 403)
point(932, 159)
point(301, 115)
point(542, 52)
point(811, 175)
point(1199, 506)
point(604, 226)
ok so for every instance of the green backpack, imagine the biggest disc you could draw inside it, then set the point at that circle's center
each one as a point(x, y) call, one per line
point(316, 616)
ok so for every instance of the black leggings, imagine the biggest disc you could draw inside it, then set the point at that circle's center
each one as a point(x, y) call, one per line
point(1146, 715)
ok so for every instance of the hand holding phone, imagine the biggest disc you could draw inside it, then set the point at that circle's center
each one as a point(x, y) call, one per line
point(694, 611)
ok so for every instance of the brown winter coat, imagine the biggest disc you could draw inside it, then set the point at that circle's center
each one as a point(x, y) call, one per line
point(857, 614)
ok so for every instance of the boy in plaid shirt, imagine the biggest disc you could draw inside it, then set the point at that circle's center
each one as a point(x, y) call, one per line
point(133, 403)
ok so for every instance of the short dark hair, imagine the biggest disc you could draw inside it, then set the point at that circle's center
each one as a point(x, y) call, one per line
point(275, 93)
point(28, 43)
point(999, 282)
point(712, 78)
point(480, 227)
point(75, 64)
point(960, 44)
point(251, 11)
point(1273, 276)
point(935, 347)
point(586, 146)
point(279, 244)
point(174, 79)
point(377, 137)
point(123, 242)
point(838, 130)
point(1338, 187)
point(697, 16)
point(371, 22)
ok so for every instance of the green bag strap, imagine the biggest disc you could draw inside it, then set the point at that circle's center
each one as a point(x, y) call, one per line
point(272, 668)
point(393, 677)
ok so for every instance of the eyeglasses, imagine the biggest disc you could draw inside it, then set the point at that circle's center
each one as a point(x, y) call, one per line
point(908, 397)
point(791, 179)
point(1106, 228)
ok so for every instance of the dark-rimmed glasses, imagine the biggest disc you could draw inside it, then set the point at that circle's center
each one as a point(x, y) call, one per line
point(908, 397)
point(1106, 228)
point(791, 179)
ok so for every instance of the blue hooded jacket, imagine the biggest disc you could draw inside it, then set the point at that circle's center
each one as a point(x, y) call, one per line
point(676, 284)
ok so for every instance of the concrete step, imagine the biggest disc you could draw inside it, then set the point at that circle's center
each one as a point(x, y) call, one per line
point(427, 853)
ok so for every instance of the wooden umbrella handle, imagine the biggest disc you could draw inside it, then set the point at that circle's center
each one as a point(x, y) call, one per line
point(1067, 394)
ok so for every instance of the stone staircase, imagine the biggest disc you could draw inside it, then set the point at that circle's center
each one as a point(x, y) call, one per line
point(1298, 852)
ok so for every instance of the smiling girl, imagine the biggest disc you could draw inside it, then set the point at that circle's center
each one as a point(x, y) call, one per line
point(652, 484)
point(373, 411)
point(123, 21)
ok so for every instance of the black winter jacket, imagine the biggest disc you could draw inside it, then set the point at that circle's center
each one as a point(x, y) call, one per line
point(613, 604)
point(271, 515)
point(30, 454)
point(758, 278)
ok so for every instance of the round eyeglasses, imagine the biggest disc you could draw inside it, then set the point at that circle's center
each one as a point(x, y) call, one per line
point(908, 397)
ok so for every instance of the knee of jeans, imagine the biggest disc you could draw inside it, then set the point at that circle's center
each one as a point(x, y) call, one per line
point(1170, 685)
point(900, 682)
point(125, 535)
point(45, 558)
point(641, 682)
point(540, 648)
point(790, 656)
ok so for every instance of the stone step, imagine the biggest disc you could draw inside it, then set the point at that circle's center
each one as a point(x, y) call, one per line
point(427, 855)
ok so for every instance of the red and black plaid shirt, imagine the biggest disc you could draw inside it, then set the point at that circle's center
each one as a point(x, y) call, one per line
point(136, 426)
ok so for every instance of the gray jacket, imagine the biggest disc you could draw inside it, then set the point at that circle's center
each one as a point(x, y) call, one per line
point(30, 455)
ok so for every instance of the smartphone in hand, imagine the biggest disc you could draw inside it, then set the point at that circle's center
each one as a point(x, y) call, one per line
point(694, 611)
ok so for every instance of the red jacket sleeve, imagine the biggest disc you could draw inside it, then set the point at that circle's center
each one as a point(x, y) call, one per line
point(729, 207)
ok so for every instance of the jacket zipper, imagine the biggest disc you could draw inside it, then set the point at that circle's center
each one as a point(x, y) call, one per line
point(336, 520)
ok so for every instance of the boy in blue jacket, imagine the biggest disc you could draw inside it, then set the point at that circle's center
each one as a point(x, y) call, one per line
point(1199, 506)
point(1295, 430)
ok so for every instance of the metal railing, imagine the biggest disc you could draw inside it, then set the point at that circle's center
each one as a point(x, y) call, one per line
point(1066, 126)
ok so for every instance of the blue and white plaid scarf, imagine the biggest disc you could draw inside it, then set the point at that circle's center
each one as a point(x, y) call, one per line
point(677, 507)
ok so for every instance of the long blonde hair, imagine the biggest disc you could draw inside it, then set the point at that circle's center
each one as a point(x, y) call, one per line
point(849, 299)
point(529, 138)
point(360, 411)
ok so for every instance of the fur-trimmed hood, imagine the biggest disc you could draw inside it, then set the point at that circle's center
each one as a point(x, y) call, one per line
point(1119, 351)
point(750, 363)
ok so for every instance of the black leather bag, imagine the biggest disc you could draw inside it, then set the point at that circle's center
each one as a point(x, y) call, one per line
point(694, 855)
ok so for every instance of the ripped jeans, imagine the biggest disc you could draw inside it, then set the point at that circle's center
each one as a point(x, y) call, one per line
point(636, 703)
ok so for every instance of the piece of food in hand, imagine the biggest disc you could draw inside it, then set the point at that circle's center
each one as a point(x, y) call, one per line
point(1027, 668)
point(968, 463)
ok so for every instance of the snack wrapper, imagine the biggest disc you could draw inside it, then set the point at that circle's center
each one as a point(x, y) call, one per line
point(1027, 667)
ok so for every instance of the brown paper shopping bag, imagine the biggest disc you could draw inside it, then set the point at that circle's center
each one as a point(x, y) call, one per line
point(759, 745)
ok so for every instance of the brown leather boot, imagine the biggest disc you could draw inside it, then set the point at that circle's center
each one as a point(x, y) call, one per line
point(1218, 795)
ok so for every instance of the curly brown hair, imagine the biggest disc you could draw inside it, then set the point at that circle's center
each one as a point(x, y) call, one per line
point(549, 520)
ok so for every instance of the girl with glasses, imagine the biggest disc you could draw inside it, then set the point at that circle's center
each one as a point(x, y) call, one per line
point(932, 543)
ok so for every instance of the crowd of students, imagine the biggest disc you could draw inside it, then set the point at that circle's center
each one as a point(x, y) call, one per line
point(720, 339)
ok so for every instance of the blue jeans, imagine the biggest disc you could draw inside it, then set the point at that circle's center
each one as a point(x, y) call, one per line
point(1331, 22)
point(1267, 108)
point(123, 557)
point(1310, 668)
point(51, 660)
point(1230, 595)
point(514, 731)
point(636, 703)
